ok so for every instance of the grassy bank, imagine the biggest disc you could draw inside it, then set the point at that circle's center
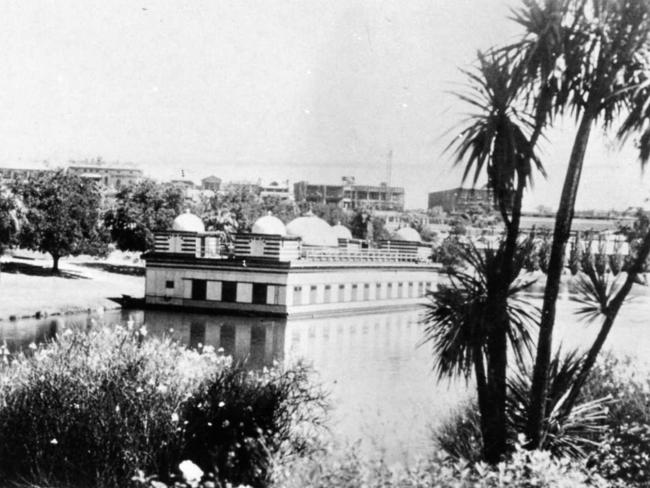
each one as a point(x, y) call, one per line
point(27, 285)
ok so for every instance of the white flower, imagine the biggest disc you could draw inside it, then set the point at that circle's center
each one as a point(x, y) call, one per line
point(54, 442)
point(143, 331)
point(162, 389)
point(32, 346)
point(192, 474)
point(139, 389)
point(117, 408)
point(221, 404)
point(174, 417)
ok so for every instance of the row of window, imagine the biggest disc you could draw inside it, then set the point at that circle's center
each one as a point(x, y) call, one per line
point(231, 291)
point(269, 294)
point(359, 292)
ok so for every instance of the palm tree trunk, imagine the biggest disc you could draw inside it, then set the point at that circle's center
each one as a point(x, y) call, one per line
point(481, 387)
point(495, 441)
point(55, 264)
point(612, 311)
point(563, 220)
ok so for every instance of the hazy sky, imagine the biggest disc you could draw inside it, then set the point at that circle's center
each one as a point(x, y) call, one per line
point(273, 89)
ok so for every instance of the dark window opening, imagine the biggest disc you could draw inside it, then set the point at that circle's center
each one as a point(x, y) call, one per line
point(259, 293)
point(229, 291)
point(312, 295)
point(327, 294)
point(198, 289)
point(169, 284)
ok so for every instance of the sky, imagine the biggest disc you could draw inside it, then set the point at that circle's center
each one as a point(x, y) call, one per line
point(272, 89)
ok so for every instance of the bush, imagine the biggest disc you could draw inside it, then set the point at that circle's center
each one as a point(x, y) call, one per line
point(98, 408)
point(623, 452)
point(460, 435)
point(525, 469)
point(239, 418)
point(620, 450)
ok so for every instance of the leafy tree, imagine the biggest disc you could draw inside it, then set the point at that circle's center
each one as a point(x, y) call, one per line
point(8, 218)
point(62, 216)
point(332, 213)
point(364, 225)
point(140, 210)
point(241, 204)
point(283, 209)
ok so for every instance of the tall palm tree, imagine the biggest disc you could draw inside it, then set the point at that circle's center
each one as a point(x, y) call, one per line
point(605, 66)
point(498, 138)
point(460, 326)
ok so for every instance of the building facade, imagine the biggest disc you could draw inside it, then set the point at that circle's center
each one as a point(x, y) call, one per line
point(212, 183)
point(24, 170)
point(113, 175)
point(461, 200)
point(350, 195)
point(277, 190)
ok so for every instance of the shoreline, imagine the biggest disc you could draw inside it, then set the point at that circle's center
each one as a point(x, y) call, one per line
point(28, 289)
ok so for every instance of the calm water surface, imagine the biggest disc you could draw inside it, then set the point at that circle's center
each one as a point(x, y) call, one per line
point(380, 379)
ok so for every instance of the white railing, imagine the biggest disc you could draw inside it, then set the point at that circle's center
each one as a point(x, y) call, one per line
point(360, 256)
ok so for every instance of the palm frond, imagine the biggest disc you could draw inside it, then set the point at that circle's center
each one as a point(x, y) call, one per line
point(457, 322)
point(564, 435)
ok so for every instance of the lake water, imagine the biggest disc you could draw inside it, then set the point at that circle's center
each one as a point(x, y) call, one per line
point(379, 377)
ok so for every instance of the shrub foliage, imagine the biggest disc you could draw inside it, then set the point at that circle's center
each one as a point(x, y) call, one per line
point(96, 408)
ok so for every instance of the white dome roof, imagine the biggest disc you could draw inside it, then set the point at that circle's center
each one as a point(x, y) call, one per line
point(188, 222)
point(269, 225)
point(406, 234)
point(313, 231)
point(341, 231)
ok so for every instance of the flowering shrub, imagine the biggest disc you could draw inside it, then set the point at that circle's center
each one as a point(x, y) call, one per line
point(623, 452)
point(103, 407)
point(239, 418)
point(525, 469)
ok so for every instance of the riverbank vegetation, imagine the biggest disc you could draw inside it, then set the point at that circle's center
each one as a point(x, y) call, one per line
point(98, 408)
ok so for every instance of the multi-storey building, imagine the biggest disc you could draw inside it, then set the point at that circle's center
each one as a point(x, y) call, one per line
point(111, 175)
point(349, 195)
point(279, 190)
point(461, 200)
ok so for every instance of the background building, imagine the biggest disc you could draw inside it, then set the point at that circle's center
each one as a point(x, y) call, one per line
point(25, 169)
point(113, 175)
point(350, 195)
point(212, 183)
point(461, 200)
point(279, 190)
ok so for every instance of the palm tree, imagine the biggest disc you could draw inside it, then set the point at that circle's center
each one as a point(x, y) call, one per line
point(498, 139)
point(605, 62)
point(460, 326)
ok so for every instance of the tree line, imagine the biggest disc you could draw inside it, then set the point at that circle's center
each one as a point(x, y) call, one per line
point(62, 214)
